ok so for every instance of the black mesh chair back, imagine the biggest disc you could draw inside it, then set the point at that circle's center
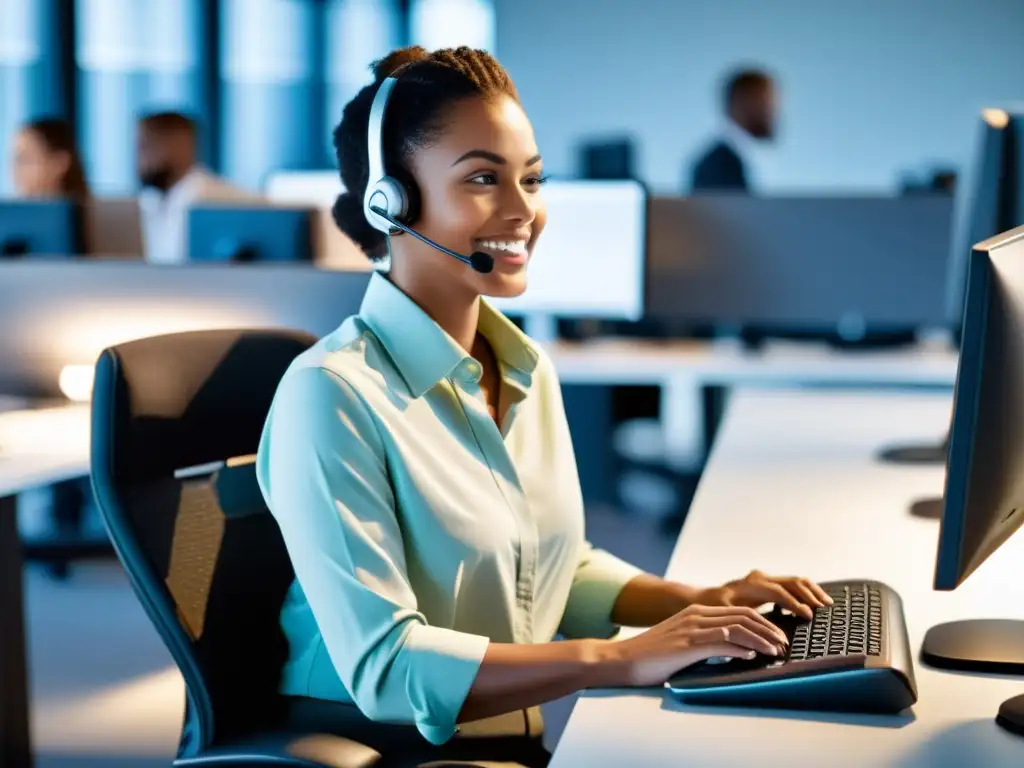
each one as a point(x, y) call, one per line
point(201, 550)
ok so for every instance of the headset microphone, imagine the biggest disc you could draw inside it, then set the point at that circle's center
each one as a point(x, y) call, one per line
point(478, 260)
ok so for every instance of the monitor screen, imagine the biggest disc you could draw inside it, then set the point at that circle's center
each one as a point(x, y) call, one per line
point(991, 199)
point(50, 228)
point(249, 233)
point(315, 188)
point(856, 264)
point(589, 260)
point(984, 494)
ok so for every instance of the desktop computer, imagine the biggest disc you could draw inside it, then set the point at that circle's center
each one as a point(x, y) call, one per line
point(984, 498)
point(846, 266)
point(318, 189)
point(854, 655)
point(992, 201)
point(608, 159)
point(51, 228)
point(243, 233)
point(589, 261)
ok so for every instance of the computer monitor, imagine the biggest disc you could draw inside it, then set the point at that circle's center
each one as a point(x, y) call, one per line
point(229, 232)
point(589, 261)
point(313, 188)
point(58, 316)
point(984, 492)
point(844, 266)
point(611, 159)
point(991, 201)
point(50, 228)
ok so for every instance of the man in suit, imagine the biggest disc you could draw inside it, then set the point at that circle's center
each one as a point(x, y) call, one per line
point(749, 105)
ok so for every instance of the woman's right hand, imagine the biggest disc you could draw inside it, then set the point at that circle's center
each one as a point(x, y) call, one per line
point(697, 633)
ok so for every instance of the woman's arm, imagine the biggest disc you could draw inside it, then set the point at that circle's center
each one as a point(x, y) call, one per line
point(513, 677)
point(647, 600)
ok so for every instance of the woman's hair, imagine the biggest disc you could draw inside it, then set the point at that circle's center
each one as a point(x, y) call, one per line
point(59, 136)
point(428, 84)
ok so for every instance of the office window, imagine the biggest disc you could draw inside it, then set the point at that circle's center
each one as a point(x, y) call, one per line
point(134, 57)
point(269, 56)
point(29, 71)
point(450, 23)
point(358, 33)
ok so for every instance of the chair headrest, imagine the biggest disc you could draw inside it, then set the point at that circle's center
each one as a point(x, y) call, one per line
point(184, 399)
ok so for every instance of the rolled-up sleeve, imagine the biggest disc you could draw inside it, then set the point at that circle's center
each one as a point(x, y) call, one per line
point(599, 578)
point(323, 473)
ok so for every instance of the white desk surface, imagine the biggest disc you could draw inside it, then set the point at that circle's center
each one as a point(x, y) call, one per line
point(638, 361)
point(42, 446)
point(792, 487)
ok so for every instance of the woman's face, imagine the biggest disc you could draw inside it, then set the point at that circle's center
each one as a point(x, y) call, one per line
point(479, 191)
point(38, 172)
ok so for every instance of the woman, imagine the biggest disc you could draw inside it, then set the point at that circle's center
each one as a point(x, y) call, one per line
point(47, 163)
point(419, 464)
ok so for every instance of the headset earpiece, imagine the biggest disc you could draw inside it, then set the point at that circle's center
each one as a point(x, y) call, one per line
point(382, 191)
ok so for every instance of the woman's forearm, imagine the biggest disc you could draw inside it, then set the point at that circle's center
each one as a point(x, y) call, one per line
point(647, 600)
point(514, 676)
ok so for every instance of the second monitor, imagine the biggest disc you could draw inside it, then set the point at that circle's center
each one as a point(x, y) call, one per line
point(244, 233)
point(589, 261)
point(40, 228)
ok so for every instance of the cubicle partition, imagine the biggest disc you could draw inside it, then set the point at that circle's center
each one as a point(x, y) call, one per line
point(58, 316)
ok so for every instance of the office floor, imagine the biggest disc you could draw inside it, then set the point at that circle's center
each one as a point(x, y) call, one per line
point(105, 693)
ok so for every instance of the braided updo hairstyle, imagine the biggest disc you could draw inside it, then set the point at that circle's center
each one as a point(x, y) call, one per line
point(427, 84)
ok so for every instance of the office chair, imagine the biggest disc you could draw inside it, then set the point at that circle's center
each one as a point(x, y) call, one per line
point(204, 555)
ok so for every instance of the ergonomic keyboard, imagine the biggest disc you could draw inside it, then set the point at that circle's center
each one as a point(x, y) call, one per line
point(853, 656)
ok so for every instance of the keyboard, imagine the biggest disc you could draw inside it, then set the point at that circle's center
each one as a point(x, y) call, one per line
point(853, 656)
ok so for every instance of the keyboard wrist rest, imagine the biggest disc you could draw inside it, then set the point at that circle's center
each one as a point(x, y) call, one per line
point(790, 670)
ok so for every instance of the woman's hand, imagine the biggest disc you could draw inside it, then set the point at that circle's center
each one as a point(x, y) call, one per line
point(694, 634)
point(800, 596)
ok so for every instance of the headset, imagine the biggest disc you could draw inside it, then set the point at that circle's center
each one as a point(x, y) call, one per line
point(388, 202)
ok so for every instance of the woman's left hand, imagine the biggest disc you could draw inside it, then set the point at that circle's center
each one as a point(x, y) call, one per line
point(798, 595)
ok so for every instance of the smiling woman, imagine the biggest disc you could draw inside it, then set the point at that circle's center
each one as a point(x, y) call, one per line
point(420, 467)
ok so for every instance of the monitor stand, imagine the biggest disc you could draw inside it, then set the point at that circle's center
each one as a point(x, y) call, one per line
point(916, 454)
point(995, 646)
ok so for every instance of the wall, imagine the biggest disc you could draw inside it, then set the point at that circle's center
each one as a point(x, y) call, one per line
point(869, 89)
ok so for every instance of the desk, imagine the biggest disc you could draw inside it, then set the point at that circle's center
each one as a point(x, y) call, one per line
point(37, 447)
point(788, 469)
point(681, 368)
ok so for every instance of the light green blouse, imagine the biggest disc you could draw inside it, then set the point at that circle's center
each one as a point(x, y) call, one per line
point(418, 530)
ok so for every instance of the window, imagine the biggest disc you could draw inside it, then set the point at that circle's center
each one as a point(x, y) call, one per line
point(134, 58)
point(450, 23)
point(358, 33)
point(29, 71)
point(270, 87)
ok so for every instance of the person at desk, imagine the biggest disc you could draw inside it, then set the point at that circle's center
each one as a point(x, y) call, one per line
point(46, 161)
point(419, 464)
point(172, 181)
point(749, 101)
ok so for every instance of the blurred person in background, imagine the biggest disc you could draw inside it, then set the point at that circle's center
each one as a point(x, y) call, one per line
point(172, 180)
point(46, 161)
point(749, 101)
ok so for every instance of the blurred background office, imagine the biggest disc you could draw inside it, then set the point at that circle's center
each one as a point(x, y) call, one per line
point(183, 131)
